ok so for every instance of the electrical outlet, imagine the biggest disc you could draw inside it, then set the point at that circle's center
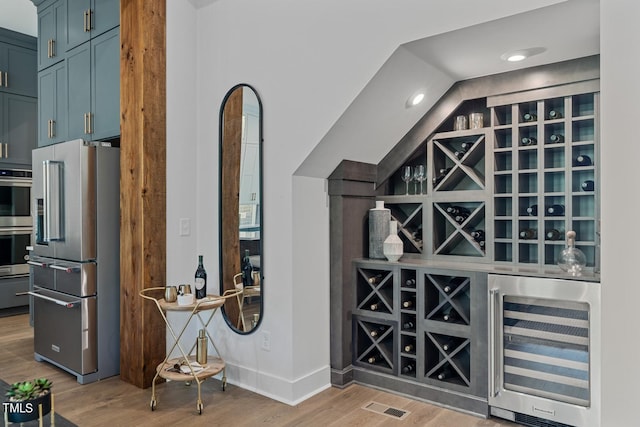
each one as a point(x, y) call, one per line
point(266, 341)
point(185, 227)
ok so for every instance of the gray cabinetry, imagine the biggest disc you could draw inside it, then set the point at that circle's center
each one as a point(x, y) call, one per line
point(52, 101)
point(9, 287)
point(424, 329)
point(89, 18)
point(18, 134)
point(52, 21)
point(82, 96)
point(18, 103)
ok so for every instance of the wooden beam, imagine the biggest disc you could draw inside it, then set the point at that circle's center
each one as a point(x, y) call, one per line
point(143, 185)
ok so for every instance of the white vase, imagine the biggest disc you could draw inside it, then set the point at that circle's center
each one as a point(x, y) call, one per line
point(392, 246)
point(379, 218)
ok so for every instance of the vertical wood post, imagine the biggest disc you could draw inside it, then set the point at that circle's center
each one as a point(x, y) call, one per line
point(143, 185)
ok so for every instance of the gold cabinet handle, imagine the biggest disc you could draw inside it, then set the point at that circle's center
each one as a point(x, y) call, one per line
point(53, 128)
point(53, 48)
point(0, 78)
point(49, 54)
point(6, 79)
point(6, 149)
point(88, 18)
point(50, 129)
point(85, 123)
point(90, 14)
point(90, 122)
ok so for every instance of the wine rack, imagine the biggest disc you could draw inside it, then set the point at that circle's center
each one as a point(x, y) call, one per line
point(434, 335)
point(532, 153)
point(540, 188)
point(375, 291)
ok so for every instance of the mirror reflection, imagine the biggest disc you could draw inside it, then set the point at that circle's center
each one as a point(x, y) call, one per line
point(240, 204)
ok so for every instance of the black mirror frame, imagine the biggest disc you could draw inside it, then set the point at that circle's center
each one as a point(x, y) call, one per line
point(261, 207)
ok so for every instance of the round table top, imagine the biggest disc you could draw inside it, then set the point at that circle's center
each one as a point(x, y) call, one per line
point(207, 303)
point(214, 366)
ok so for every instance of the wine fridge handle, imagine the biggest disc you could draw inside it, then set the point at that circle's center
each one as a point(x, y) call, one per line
point(494, 302)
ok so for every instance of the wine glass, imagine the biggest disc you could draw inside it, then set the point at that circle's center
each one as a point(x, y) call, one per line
point(407, 176)
point(419, 175)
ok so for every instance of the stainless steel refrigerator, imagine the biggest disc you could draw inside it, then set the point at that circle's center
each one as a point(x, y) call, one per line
point(75, 259)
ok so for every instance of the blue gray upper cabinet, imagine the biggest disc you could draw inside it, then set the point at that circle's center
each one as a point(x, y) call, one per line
point(87, 19)
point(52, 22)
point(17, 63)
point(81, 98)
point(18, 102)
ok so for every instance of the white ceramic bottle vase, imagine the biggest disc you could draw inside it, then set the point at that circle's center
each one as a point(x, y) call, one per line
point(379, 218)
point(393, 247)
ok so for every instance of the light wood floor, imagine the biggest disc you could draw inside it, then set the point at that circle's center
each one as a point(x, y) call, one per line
point(112, 402)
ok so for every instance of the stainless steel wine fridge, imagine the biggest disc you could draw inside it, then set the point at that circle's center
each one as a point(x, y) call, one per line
point(544, 351)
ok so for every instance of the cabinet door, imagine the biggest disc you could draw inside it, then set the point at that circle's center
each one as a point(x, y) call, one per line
point(52, 101)
point(51, 39)
point(19, 69)
point(78, 30)
point(87, 19)
point(20, 113)
point(106, 15)
point(105, 85)
point(79, 91)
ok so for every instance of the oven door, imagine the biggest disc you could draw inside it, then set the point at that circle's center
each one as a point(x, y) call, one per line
point(13, 250)
point(15, 201)
point(544, 349)
point(65, 330)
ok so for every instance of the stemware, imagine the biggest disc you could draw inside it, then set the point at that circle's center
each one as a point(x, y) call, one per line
point(407, 176)
point(419, 175)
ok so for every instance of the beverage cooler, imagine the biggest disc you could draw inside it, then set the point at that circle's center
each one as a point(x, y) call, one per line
point(544, 340)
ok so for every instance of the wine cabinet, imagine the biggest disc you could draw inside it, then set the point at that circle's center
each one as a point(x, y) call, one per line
point(507, 192)
point(433, 331)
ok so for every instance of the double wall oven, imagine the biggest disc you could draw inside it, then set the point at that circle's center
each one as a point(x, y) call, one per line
point(15, 236)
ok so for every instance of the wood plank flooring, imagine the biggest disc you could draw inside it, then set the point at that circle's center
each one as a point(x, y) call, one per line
point(112, 402)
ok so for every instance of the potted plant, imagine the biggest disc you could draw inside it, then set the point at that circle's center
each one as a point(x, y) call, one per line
point(24, 399)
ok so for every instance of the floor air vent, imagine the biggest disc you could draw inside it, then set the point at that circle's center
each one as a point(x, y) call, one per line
point(379, 408)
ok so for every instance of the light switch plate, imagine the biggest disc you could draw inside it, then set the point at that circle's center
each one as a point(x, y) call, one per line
point(185, 227)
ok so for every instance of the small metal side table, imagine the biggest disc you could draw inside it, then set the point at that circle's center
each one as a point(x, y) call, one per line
point(167, 368)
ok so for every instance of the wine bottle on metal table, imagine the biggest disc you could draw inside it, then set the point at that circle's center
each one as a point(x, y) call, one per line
point(201, 280)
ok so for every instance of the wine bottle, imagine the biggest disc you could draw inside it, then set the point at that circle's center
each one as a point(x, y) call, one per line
point(374, 359)
point(533, 210)
point(407, 304)
point(408, 368)
point(482, 244)
point(457, 210)
point(247, 270)
point(588, 185)
point(528, 140)
point(459, 154)
point(466, 145)
point(530, 117)
point(447, 345)
point(555, 210)
point(410, 348)
point(553, 234)
point(200, 280)
point(477, 235)
point(410, 283)
point(201, 347)
point(375, 306)
point(444, 171)
point(555, 114)
point(450, 316)
point(447, 289)
point(583, 160)
point(556, 138)
point(444, 374)
point(460, 218)
point(528, 233)
point(374, 279)
point(408, 325)
point(377, 331)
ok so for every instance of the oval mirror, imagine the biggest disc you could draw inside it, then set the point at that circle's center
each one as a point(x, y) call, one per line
point(240, 202)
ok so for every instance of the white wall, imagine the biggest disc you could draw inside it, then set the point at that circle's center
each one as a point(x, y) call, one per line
point(308, 60)
point(620, 90)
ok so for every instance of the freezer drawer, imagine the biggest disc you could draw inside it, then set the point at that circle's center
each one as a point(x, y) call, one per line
point(74, 278)
point(65, 330)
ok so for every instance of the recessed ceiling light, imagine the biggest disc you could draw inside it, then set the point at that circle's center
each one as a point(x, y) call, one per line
point(415, 99)
point(521, 54)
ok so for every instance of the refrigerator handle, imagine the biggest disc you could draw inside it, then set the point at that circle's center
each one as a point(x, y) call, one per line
point(53, 200)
